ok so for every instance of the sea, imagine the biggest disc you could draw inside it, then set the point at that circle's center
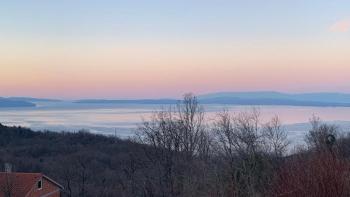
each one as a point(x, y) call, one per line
point(122, 120)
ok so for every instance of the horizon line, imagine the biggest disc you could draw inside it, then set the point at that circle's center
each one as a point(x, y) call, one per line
point(177, 97)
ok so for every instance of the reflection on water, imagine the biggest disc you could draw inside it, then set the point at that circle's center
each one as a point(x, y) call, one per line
point(123, 119)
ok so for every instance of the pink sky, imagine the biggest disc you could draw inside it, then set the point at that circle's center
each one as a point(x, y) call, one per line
point(168, 69)
point(145, 50)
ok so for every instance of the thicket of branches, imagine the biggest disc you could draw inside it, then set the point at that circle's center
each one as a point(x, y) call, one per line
point(178, 153)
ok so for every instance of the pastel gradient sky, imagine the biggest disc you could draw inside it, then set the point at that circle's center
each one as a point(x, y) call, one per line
point(145, 49)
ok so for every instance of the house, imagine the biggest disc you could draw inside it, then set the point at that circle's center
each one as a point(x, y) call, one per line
point(14, 184)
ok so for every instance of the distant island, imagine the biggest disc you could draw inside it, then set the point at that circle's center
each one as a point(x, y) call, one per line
point(30, 99)
point(5, 102)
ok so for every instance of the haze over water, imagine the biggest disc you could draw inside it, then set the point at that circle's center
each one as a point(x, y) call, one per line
point(122, 119)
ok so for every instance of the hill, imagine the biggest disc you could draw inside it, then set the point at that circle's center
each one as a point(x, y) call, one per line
point(5, 102)
point(131, 101)
point(94, 165)
point(277, 98)
point(75, 160)
point(246, 98)
point(31, 99)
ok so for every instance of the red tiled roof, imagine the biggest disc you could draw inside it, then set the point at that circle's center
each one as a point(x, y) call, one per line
point(21, 183)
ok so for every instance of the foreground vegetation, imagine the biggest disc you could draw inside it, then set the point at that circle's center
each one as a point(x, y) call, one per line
point(178, 153)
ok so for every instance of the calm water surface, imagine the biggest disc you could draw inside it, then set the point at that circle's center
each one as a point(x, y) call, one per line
point(123, 119)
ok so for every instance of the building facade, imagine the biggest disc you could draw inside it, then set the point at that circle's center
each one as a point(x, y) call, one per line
point(14, 184)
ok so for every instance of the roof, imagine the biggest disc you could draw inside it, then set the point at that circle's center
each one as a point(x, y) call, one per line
point(22, 183)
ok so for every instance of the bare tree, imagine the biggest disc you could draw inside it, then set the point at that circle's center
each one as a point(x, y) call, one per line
point(238, 139)
point(190, 119)
point(68, 176)
point(178, 137)
point(245, 145)
point(318, 136)
point(275, 137)
point(83, 174)
point(312, 174)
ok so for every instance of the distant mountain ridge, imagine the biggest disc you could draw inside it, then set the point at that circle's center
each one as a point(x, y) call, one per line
point(248, 98)
point(5, 102)
point(321, 97)
point(125, 101)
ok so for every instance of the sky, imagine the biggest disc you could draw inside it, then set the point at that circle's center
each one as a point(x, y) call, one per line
point(150, 49)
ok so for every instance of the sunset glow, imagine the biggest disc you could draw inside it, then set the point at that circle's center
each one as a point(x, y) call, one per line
point(285, 47)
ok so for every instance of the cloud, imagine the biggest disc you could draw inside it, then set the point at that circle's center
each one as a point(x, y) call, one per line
point(340, 26)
